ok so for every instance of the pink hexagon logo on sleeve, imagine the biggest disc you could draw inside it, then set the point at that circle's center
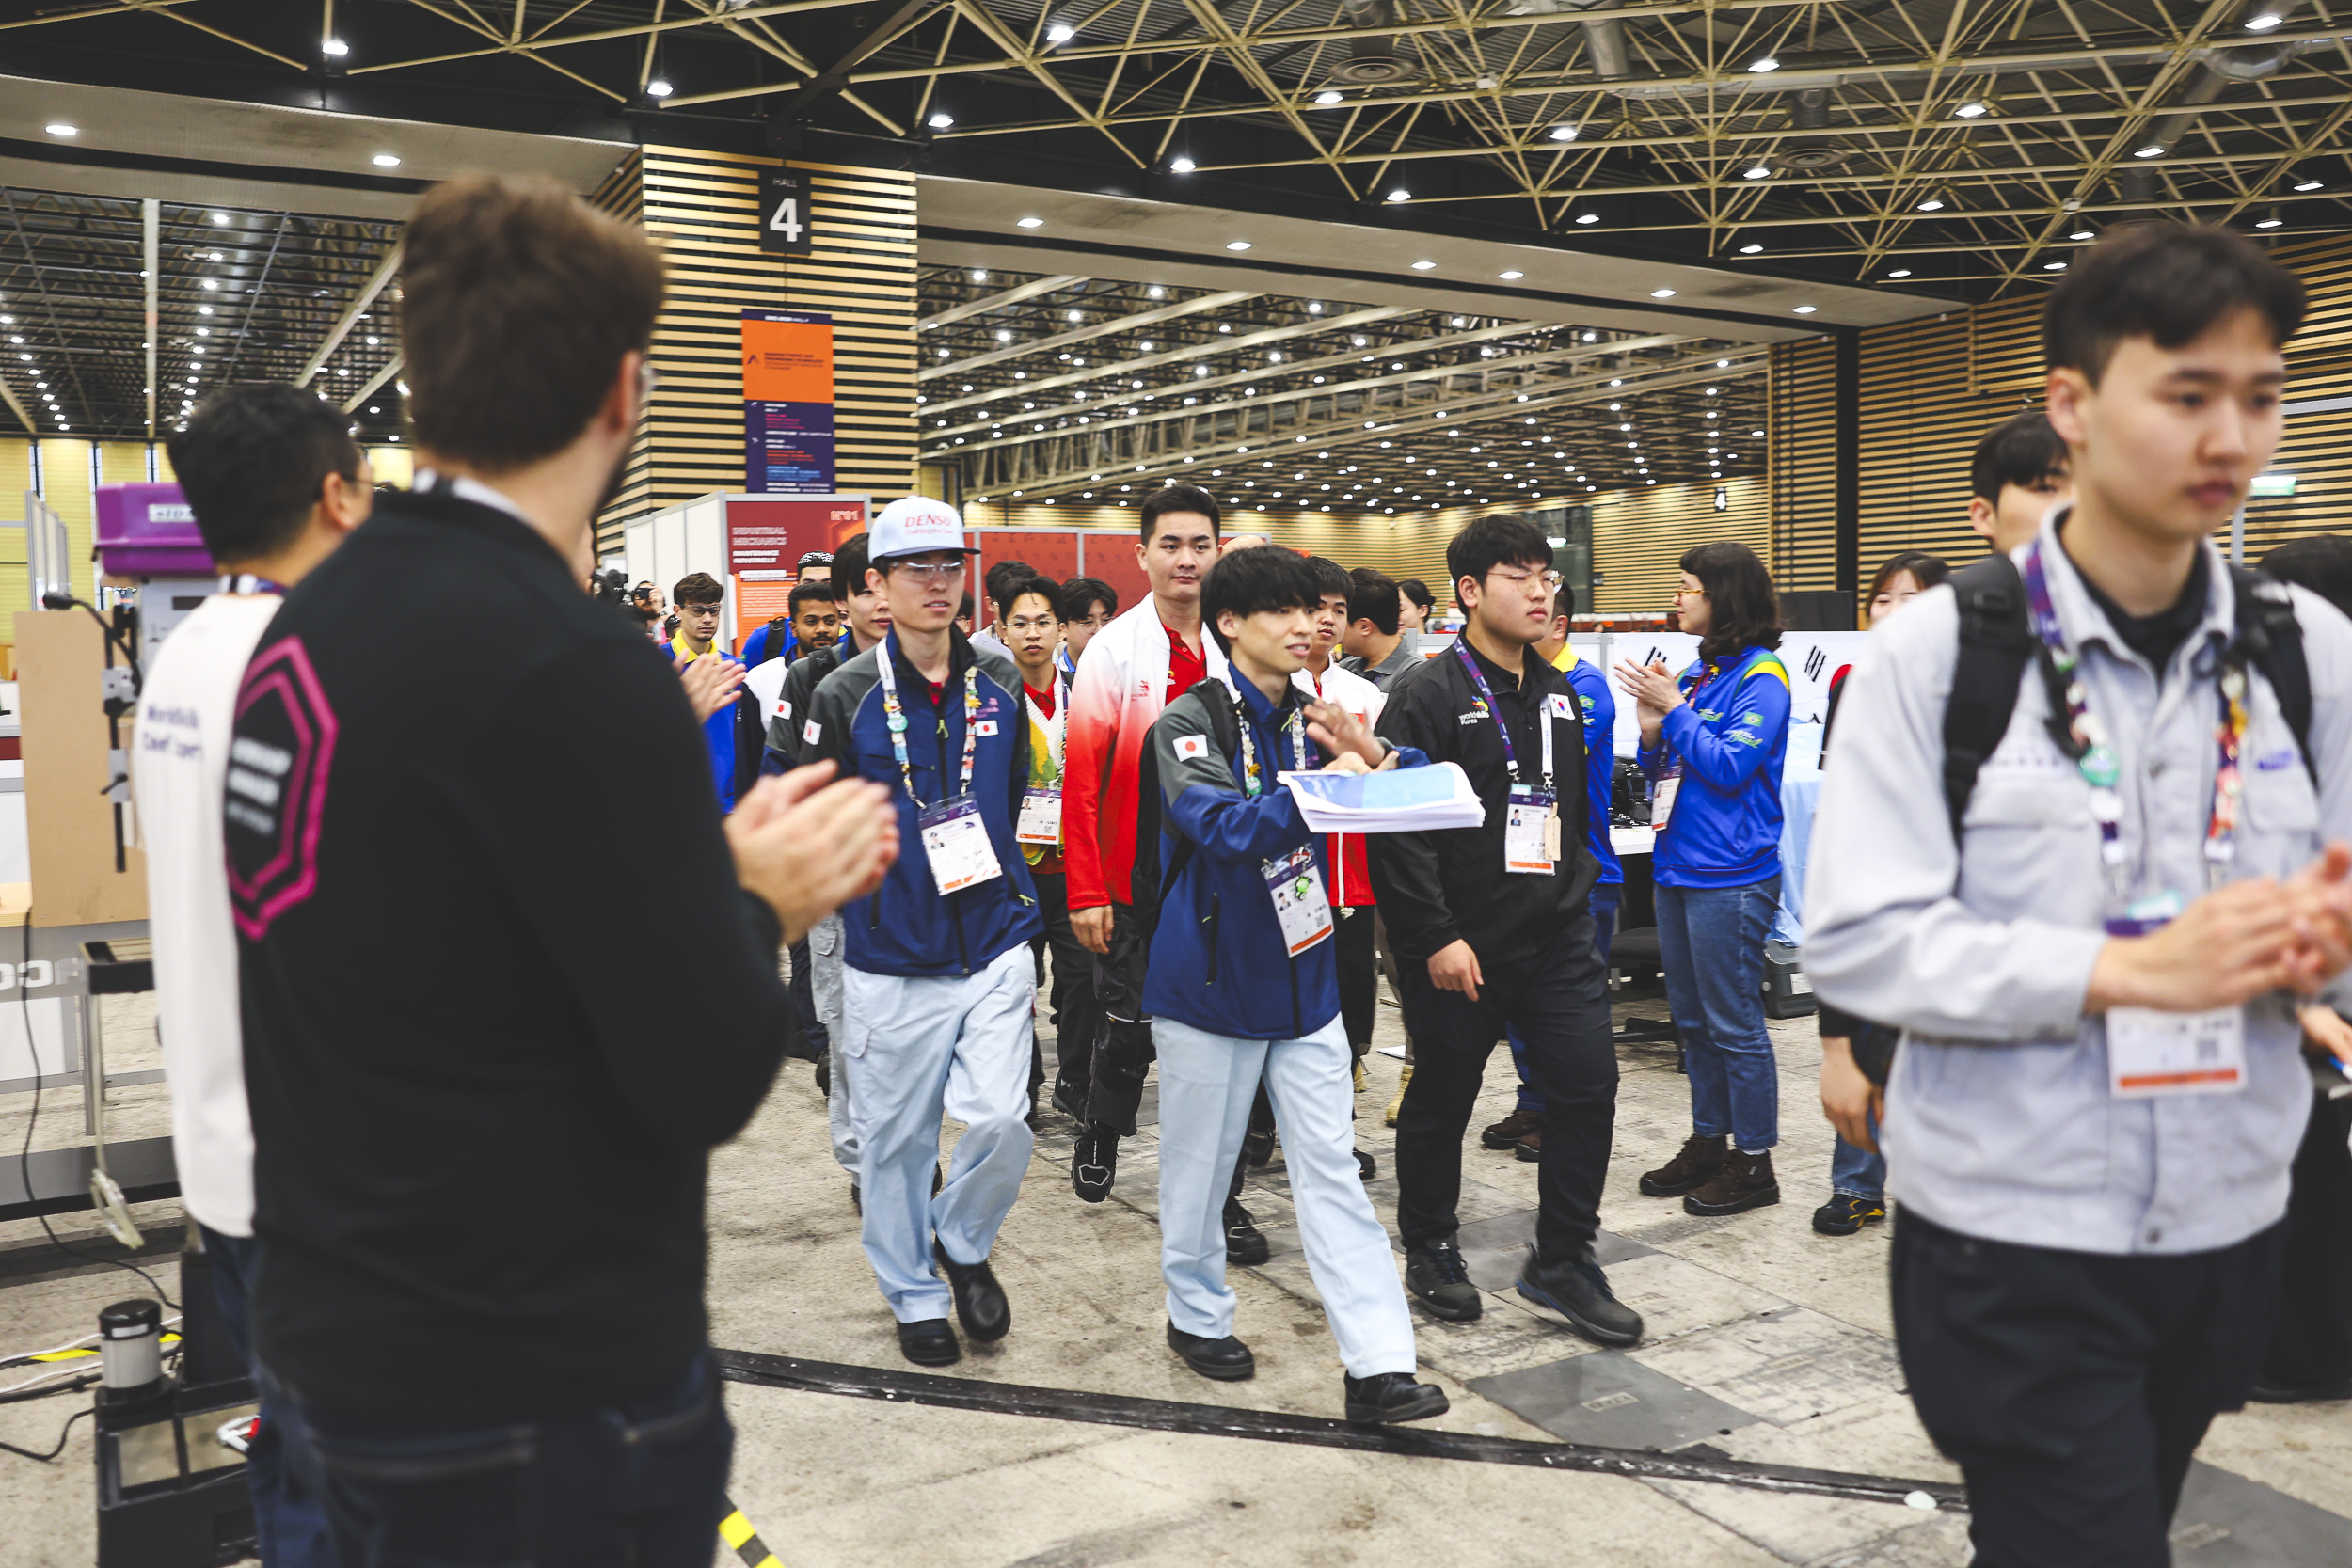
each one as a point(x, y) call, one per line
point(275, 801)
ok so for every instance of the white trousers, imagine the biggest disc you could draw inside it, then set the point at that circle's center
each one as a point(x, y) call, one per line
point(915, 1049)
point(1207, 1083)
point(824, 986)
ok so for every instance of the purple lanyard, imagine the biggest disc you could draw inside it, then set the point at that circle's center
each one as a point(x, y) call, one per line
point(1487, 706)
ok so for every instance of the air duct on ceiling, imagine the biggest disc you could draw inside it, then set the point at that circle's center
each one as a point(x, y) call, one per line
point(2216, 71)
point(1604, 37)
point(1377, 61)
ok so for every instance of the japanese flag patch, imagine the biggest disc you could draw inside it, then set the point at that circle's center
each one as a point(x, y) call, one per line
point(809, 732)
point(784, 709)
point(985, 727)
point(1192, 745)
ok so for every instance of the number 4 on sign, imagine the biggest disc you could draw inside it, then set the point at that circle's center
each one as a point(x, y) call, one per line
point(785, 220)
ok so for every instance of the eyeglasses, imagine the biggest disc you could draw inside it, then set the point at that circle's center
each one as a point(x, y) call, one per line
point(925, 573)
point(710, 610)
point(1550, 581)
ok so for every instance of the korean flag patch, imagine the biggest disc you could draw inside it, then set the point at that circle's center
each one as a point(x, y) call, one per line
point(1560, 707)
point(1192, 745)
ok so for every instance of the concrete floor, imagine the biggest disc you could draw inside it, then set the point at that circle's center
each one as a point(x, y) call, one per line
point(1765, 1341)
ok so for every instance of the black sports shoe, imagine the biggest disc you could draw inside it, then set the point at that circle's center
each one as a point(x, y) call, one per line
point(1226, 1360)
point(929, 1343)
point(1387, 1397)
point(1579, 1293)
point(824, 1075)
point(1244, 1242)
point(980, 1304)
point(1258, 1148)
point(1437, 1274)
point(1366, 1166)
point(857, 1199)
point(1845, 1213)
point(1094, 1163)
point(1070, 1100)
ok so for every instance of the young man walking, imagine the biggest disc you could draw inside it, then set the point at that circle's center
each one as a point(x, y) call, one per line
point(479, 1196)
point(1491, 929)
point(1134, 668)
point(2018, 472)
point(1243, 989)
point(937, 984)
point(1331, 681)
point(275, 482)
point(699, 599)
point(2094, 946)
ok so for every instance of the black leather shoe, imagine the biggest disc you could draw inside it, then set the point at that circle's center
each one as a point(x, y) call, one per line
point(929, 1343)
point(1094, 1163)
point(1366, 1166)
point(1579, 1293)
point(824, 1075)
point(1258, 1148)
point(2266, 1392)
point(1226, 1360)
point(980, 1304)
point(1245, 1244)
point(1386, 1397)
point(1437, 1274)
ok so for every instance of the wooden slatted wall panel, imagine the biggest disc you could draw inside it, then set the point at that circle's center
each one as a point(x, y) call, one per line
point(2005, 347)
point(1800, 407)
point(1639, 537)
point(1921, 421)
point(702, 209)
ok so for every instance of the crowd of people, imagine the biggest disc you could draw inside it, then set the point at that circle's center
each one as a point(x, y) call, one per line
point(2071, 932)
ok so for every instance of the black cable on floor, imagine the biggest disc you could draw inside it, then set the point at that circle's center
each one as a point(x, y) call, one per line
point(63, 1432)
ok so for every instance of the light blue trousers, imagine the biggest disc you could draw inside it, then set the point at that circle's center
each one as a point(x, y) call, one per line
point(1207, 1083)
point(915, 1049)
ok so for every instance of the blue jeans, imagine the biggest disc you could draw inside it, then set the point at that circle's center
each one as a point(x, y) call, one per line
point(1603, 903)
point(287, 1518)
point(1712, 943)
point(1857, 1173)
point(640, 1484)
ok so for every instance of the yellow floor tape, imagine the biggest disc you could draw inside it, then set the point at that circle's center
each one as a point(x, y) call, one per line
point(168, 1340)
point(737, 1531)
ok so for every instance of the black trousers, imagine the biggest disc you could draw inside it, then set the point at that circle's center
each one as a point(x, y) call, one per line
point(1360, 975)
point(2072, 1387)
point(813, 1033)
point(1558, 1002)
point(2312, 1342)
point(1123, 1051)
point(1069, 990)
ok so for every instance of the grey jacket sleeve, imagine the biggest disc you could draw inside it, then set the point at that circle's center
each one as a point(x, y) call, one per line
point(2327, 652)
point(1887, 934)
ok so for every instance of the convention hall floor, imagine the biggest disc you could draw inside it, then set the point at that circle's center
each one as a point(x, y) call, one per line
point(1765, 1342)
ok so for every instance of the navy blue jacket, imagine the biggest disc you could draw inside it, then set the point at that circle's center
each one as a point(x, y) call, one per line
point(906, 927)
point(1218, 958)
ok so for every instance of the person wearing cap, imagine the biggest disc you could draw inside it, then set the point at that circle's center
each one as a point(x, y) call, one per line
point(937, 978)
point(780, 639)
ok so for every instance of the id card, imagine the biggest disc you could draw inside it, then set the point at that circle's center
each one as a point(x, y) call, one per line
point(1530, 834)
point(956, 841)
point(1661, 801)
point(1040, 816)
point(2152, 1053)
point(1296, 884)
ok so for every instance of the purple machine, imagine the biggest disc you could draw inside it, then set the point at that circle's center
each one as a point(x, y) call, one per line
point(147, 532)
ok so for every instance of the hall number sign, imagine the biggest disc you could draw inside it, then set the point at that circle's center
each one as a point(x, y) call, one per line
point(784, 222)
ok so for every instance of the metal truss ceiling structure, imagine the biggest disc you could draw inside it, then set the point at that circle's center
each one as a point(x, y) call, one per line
point(1960, 142)
point(1062, 388)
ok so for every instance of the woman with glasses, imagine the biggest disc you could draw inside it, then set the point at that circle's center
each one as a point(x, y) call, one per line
point(1713, 741)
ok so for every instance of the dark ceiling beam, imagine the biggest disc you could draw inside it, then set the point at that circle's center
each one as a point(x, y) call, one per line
point(834, 77)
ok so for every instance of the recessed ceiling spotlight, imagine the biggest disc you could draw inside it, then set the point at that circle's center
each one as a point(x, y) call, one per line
point(385, 160)
point(2263, 19)
point(1564, 133)
point(1661, 294)
point(1763, 63)
point(2151, 150)
point(1400, 193)
point(659, 87)
point(60, 128)
point(1511, 276)
point(334, 49)
point(1423, 267)
point(1028, 223)
point(2052, 266)
point(1060, 32)
point(1900, 272)
point(940, 120)
point(1328, 97)
point(1806, 310)
point(1757, 171)
point(1588, 217)
point(2268, 220)
point(2310, 184)
point(1238, 245)
point(1932, 204)
point(1970, 110)
point(1751, 249)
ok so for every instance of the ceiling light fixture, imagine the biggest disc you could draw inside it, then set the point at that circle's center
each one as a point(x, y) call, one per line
point(2270, 220)
point(940, 120)
point(2052, 266)
point(1511, 276)
point(385, 160)
point(1661, 294)
point(1060, 32)
point(1564, 133)
point(334, 49)
point(1756, 171)
point(2310, 184)
point(1181, 164)
point(1932, 204)
point(1400, 193)
point(1028, 223)
point(2263, 19)
point(1970, 110)
point(1751, 249)
point(1328, 97)
point(1763, 63)
point(1806, 310)
point(1238, 245)
point(60, 128)
point(2151, 150)
point(659, 87)
point(1588, 217)
point(1900, 272)
point(1423, 267)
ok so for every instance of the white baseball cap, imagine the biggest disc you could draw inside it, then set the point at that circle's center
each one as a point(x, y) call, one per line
point(916, 524)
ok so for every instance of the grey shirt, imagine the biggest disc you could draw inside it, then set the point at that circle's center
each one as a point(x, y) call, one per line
point(1999, 1120)
point(1400, 659)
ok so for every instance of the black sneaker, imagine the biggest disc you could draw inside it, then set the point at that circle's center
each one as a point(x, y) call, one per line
point(1437, 1274)
point(1258, 1148)
point(857, 1199)
point(1245, 1244)
point(1579, 1293)
point(824, 1075)
point(1226, 1360)
point(929, 1343)
point(1070, 1100)
point(1845, 1213)
point(1094, 1163)
point(1366, 1166)
point(1387, 1397)
point(980, 1304)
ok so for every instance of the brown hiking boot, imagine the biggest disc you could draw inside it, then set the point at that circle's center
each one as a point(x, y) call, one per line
point(1700, 1158)
point(1531, 1148)
point(1743, 1182)
point(1511, 1129)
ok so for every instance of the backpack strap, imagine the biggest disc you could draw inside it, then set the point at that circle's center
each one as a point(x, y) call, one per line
point(2271, 638)
point(1996, 646)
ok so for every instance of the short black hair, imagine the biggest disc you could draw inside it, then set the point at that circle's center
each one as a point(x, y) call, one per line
point(1179, 497)
point(966, 613)
point(1002, 576)
point(1079, 596)
point(1005, 596)
point(1372, 598)
point(697, 588)
point(803, 592)
point(1926, 570)
point(1743, 610)
point(1250, 581)
point(2322, 563)
point(814, 558)
point(1331, 578)
point(848, 565)
point(2023, 450)
point(1417, 590)
point(1492, 542)
point(250, 461)
point(2165, 281)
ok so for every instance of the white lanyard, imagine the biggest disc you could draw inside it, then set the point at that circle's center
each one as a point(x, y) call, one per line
point(1059, 719)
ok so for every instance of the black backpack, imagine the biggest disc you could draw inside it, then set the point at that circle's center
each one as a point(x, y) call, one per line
point(1997, 642)
point(1146, 883)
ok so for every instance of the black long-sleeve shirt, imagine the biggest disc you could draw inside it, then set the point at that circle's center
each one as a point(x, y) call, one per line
point(502, 990)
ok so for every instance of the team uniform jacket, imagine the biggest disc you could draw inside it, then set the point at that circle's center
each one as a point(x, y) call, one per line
point(790, 716)
point(1219, 962)
point(1599, 706)
point(1351, 879)
point(1121, 688)
point(906, 927)
point(1439, 888)
point(1731, 737)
